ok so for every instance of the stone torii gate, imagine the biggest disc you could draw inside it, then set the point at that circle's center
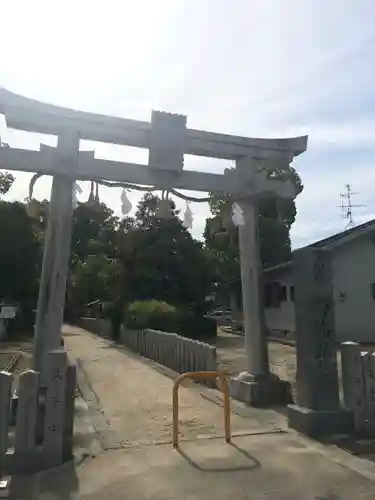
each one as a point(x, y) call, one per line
point(167, 138)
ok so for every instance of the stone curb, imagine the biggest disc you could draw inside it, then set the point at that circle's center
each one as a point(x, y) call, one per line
point(106, 438)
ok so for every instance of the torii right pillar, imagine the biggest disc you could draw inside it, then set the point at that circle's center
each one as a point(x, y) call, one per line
point(257, 386)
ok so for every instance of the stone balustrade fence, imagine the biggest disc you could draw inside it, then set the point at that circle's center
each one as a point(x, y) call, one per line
point(41, 435)
point(358, 378)
point(169, 349)
point(181, 354)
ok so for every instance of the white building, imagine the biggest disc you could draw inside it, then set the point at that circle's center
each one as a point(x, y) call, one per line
point(353, 260)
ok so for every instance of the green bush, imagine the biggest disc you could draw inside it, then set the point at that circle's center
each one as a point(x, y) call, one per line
point(165, 317)
point(150, 314)
point(196, 327)
point(22, 324)
point(114, 312)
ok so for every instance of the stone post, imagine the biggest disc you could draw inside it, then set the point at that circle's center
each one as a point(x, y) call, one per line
point(353, 385)
point(55, 416)
point(51, 299)
point(25, 440)
point(318, 410)
point(5, 391)
point(257, 386)
point(70, 397)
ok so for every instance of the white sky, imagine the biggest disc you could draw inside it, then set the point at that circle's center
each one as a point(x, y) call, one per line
point(254, 68)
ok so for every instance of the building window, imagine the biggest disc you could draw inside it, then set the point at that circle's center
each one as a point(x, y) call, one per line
point(292, 293)
point(282, 293)
point(271, 294)
point(268, 295)
point(373, 290)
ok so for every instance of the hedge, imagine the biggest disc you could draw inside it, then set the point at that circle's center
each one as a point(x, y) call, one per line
point(165, 317)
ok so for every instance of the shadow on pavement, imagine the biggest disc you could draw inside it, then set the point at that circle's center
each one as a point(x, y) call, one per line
point(63, 483)
point(59, 484)
point(359, 446)
point(254, 463)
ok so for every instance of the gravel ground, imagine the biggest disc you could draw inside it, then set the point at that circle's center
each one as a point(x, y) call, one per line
point(4, 359)
point(282, 358)
point(136, 400)
point(232, 358)
point(8, 350)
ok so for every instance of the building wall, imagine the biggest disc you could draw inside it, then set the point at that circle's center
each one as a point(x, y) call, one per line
point(353, 288)
point(354, 275)
point(280, 320)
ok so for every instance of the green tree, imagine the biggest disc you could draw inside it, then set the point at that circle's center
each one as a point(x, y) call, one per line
point(96, 277)
point(162, 261)
point(94, 271)
point(93, 231)
point(221, 236)
point(19, 255)
point(6, 181)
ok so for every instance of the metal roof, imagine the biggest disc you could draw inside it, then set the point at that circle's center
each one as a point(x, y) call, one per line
point(332, 241)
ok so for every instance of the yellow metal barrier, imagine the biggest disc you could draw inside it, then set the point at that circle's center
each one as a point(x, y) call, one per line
point(193, 375)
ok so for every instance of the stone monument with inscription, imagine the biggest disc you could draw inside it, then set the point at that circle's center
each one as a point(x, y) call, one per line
point(318, 409)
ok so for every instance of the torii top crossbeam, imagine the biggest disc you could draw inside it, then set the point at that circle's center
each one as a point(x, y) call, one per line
point(166, 137)
point(34, 116)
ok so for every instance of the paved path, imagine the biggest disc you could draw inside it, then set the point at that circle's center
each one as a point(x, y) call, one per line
point(136, 400)
point(267, 467)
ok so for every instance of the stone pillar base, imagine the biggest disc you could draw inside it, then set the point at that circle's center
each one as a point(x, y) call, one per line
point(315, 423)
point(260, 391)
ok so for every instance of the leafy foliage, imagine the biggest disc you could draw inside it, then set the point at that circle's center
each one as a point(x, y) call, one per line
point(162, 316)
point(161, 260)
point(93, 232)
point(6, 181)
point(275, 221)
point(150, 314)
point(19, 255)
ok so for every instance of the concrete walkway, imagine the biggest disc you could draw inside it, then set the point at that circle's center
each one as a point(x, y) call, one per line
point(130, 401)
point(135, 399)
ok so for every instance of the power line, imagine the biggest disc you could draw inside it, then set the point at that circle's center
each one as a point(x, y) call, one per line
point(347, 206)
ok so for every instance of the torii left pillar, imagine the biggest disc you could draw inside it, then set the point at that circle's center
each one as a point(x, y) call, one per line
point(52, 288)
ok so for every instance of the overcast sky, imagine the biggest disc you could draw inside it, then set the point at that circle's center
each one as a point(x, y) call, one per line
point(258, 68)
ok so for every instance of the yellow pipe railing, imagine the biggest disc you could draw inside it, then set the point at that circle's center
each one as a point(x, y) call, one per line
point(194, 375)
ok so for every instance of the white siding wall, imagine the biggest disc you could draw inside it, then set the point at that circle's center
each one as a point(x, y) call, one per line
point(354, 272)
point(282, 318)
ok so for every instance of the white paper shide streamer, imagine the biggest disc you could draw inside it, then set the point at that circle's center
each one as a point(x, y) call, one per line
point(76, 190)
point(126, 206)
point(188, 217)
point(237, 215)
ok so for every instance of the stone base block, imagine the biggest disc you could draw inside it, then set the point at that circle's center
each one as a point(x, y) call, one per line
point(261, 391)
point(315, 423)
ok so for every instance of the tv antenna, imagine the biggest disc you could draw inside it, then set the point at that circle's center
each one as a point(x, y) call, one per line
point(347, 206)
